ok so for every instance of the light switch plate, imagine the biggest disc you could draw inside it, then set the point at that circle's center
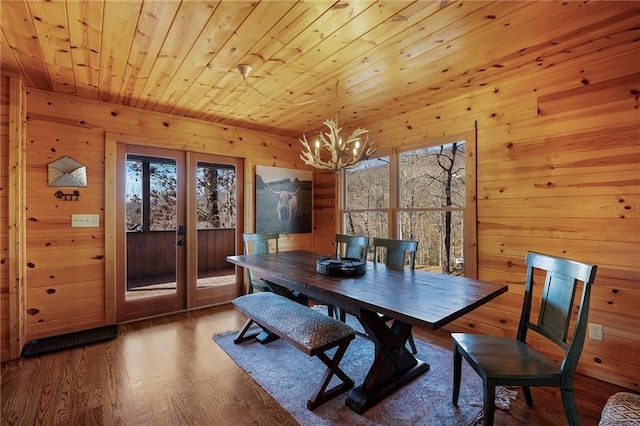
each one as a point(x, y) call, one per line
point(85, 220)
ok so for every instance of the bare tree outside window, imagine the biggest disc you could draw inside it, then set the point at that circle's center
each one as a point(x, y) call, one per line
point(215, 196)
point(151, 198)
point(367, 198)
point(432, 196)
point(164, 198)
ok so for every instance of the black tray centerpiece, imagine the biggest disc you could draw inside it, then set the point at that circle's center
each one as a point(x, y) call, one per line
point(341, 266)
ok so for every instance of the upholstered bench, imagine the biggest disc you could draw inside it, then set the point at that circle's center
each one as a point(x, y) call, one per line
point(621, 409)
point(308, 330)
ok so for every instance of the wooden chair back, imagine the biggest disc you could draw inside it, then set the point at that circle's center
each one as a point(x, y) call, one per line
point(259, 243)
point(561, 283)
point(353, 246)
point(395, 252)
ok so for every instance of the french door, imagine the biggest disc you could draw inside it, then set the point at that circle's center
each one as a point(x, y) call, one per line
point(176, 223)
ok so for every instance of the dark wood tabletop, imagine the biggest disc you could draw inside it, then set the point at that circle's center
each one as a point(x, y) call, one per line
point(409, 297)
point(422, 298)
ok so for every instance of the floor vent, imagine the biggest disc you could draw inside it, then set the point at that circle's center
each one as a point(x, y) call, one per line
point(66, 341)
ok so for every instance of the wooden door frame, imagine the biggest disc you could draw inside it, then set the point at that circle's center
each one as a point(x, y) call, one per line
point(157, 305)
point(112, 139)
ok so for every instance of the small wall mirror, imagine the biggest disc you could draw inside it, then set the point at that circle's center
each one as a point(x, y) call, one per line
point(68, 172)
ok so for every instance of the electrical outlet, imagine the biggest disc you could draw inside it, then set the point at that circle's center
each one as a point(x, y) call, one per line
point(595, 332)
point(84, 220)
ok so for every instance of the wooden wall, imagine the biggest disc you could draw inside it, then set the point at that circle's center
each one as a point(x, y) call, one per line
point(12, 215)
point(4, 217)
point(66, 266)
point(326, 217)
point(559, 173)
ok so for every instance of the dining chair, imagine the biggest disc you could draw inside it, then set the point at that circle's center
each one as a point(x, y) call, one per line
point(508, 361)
point(354, 247)
point(396, 254)
point(259, 243)
point(267, 242)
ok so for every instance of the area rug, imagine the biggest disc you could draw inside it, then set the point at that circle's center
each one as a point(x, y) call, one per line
point(290, 377)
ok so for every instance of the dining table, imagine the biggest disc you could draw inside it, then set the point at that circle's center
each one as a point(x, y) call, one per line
point(404, 297)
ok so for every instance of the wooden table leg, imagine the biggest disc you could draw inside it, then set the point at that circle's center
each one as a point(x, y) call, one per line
point(392, 367)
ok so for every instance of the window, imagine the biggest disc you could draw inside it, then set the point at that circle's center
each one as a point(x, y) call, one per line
point(367, 199)
point(418, 193)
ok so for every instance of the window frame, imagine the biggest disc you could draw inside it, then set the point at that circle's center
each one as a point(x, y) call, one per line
point(394, 210)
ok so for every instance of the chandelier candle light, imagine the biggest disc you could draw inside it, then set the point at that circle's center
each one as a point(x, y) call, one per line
point(343, 154)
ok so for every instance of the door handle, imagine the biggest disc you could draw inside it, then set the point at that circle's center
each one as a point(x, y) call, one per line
point(180, 231)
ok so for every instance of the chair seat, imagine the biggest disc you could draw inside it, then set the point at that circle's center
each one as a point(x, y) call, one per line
point(505, 358)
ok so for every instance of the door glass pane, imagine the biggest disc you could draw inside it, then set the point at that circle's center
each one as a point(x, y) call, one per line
point(151, 221)
point(216, 205)
point(133, 203)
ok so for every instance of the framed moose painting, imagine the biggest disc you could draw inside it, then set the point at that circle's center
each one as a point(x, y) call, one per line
point(283, 200)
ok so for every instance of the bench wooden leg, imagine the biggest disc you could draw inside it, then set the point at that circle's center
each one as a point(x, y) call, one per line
point(321, 395)
point(241, 337)
point(263, 336)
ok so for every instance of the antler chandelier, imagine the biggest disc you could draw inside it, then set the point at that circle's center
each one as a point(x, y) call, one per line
point(330, 151)
point(342, 154)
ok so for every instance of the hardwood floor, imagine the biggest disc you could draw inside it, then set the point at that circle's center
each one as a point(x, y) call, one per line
point(168, 371)
point(165, 285)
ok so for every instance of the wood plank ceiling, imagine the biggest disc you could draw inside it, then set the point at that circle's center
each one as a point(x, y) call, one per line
point(386, 57)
